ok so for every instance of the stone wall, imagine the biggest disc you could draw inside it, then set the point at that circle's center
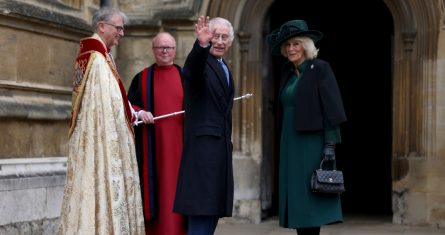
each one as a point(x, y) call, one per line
point(31, 192)
point(39, 41)
point(39, 46)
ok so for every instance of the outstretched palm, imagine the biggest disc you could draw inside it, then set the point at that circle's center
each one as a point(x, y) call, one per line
point(202, 30)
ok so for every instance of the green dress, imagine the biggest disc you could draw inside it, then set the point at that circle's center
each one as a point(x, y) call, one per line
point(300, 155)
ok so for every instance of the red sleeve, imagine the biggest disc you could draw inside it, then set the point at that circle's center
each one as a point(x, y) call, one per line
point(136, 108)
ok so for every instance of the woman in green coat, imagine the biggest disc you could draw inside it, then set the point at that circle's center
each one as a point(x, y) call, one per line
point(311, 111)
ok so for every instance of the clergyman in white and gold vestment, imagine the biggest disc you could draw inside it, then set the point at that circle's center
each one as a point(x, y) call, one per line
point(102, 192)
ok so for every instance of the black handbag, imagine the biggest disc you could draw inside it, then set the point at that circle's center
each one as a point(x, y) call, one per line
point(327, 181)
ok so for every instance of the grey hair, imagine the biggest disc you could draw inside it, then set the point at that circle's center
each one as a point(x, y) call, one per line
point(105, 14)
point(219, 21)
point(310, 51)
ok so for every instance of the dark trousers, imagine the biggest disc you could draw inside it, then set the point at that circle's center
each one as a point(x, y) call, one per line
point(308, 231)
point(202, 225)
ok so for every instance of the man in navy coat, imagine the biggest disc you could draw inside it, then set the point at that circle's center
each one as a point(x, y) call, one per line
point(205, 182)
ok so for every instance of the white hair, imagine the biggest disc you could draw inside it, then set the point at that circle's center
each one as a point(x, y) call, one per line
point(310, 51)
point(219, 21)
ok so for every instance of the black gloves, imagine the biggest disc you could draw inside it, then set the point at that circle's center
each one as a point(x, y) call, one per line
point(329, 151)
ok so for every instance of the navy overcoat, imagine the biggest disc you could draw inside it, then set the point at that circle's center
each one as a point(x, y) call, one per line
point(205, 183)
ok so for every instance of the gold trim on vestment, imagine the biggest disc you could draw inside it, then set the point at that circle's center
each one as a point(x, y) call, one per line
point(78, 92)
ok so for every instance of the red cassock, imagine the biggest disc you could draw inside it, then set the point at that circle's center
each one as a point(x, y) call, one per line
point(159, 146)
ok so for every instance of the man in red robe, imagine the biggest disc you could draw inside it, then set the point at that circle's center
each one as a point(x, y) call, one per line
point(155, 91)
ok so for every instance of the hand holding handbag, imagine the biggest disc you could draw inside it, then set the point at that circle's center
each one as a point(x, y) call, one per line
point(327, 181)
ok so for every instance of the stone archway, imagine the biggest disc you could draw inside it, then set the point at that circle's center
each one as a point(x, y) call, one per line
point(245, 60)
point(416, 156)
point(413, 68)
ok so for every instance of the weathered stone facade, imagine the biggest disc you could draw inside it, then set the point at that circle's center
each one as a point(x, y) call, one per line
point(39, 41)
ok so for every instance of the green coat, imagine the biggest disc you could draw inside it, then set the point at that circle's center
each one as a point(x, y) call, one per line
point(300, 155)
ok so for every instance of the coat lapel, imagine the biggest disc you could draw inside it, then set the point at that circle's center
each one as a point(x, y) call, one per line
point(214, 64)
point(221, 81)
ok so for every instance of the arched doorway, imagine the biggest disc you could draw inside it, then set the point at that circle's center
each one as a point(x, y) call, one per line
point(361, 58)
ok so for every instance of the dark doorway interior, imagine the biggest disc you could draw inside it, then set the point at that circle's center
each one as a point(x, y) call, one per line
point(357, 43)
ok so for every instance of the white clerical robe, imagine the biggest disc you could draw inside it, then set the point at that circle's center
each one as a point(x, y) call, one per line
point(102, 193)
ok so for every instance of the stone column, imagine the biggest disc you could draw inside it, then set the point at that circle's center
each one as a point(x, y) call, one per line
point(246, 86)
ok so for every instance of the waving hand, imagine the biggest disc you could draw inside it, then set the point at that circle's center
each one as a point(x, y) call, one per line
point(202, 31)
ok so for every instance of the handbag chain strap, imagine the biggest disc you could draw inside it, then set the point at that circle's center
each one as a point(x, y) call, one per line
point(334, 165)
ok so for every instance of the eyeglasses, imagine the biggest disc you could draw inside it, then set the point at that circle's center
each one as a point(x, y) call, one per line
point(224, 37)
point(118, 28)
point(162, 49)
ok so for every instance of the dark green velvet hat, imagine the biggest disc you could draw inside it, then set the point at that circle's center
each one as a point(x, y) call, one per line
point(288, 30)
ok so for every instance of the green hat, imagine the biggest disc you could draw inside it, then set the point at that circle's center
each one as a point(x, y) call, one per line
point(288, 30)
